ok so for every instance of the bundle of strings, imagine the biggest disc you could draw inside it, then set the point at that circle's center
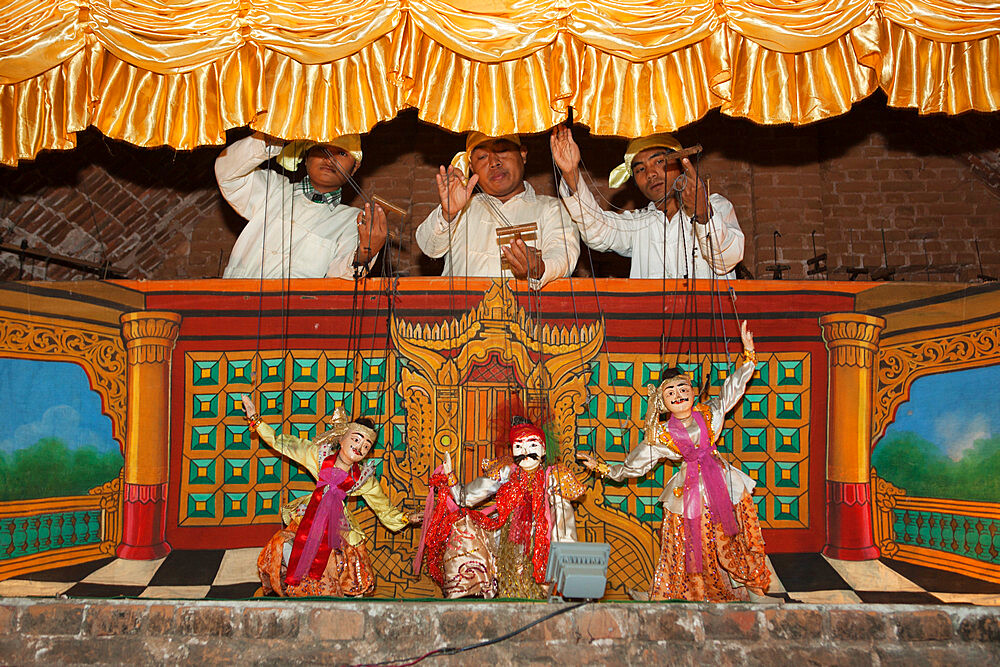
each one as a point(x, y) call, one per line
point(507, 408)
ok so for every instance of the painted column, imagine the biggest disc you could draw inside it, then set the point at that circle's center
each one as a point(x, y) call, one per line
point(149, 339)
point(852, 341)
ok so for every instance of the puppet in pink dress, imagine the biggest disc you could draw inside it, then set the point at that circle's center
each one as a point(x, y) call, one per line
point(711, 548)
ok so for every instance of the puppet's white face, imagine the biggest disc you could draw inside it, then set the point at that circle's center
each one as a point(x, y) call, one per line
point(678, 396)
point(531, 447)
point(354, 447)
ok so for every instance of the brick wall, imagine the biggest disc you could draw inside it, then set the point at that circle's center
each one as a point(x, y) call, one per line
point(294, 632)
point(931, 184)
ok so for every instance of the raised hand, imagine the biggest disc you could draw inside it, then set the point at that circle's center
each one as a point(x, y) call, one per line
point(747, 338)
point(524, 261)
point(695, 194)
point(453, 190)
point(372, 230)
point(446, 465)
point(589, 461)
point(248, 407)
point(566, 154)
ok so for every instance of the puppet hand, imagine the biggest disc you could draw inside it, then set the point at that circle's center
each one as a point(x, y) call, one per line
point(747, 338)
point(248, 407)
point(589, 462)
point(446, 466)
point(416, 517)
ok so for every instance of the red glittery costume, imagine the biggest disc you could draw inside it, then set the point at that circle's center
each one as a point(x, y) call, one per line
point(531, 510)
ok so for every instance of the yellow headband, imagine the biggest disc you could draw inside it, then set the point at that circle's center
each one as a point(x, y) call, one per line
point(685, 375)
point(623, 172)
point(295, 151)
point(461, 160)
point(355, 427)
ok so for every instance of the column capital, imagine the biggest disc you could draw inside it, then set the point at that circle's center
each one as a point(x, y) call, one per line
point(149, 335)
point(851, 338)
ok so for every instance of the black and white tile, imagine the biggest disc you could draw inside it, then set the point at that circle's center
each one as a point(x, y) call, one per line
point(232, 574)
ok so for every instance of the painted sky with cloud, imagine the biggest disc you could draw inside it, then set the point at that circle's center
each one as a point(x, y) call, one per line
point(952, 410)
point(50, 399)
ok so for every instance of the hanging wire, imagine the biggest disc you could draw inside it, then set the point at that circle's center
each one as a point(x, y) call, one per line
point(689, 325)
point(601, 392)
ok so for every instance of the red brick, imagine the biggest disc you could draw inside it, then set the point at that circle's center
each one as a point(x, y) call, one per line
point(980, 627)
point(731, 624)
point(598, 623)
point(930, 655)
point(271, 623)
point(658, 624)
point(923, 626)
point(834, 656)
point(337, 624)
point(793, 623)
point(123, 619)
point(8, 620)
point(856, 625)
point(211, 621)
point(51, 619)
point(464, 626)
point(902, 168)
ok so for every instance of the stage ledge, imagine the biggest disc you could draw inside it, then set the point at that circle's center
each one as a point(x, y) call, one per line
point(292, 632)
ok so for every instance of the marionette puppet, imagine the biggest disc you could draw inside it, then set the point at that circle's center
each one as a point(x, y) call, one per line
point(711, 546)
point(321, 548)
point(531, 510)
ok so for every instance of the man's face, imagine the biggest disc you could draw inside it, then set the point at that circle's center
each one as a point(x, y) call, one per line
point(328, 167)
point(655, 173)
point(678, 396)
point(499, 163)
point(531, 447)
point(354, 446)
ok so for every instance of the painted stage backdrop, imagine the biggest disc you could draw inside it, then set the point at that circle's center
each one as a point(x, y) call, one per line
point(869, 423)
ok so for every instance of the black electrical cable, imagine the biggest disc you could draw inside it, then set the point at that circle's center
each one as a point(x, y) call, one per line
point(406, 662)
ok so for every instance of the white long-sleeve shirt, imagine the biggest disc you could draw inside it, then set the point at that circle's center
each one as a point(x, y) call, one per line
point(656, 245)
point(287, 234)
point(469, 242)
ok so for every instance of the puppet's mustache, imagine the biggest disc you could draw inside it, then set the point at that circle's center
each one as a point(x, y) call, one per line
point(529, 455)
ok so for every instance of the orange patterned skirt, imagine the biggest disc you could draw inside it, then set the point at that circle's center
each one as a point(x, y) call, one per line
point(348, 572)
point(740, 557)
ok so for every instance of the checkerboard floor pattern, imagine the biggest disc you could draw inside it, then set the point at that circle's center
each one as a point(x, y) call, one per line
point(232, 574)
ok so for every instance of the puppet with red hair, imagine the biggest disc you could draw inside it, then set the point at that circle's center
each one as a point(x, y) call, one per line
point(502, 550)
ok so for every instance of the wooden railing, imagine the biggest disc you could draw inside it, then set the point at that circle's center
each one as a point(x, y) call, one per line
point(955, 535)
point(54, 532)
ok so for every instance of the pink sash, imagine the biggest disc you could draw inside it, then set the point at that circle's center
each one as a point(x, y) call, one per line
point(701, 464)
point(328, 519)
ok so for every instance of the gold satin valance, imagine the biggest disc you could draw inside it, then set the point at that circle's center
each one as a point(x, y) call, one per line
point(181, 73)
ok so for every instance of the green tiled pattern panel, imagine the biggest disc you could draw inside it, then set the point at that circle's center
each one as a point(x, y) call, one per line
point(229, 477)
point(766, 435)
